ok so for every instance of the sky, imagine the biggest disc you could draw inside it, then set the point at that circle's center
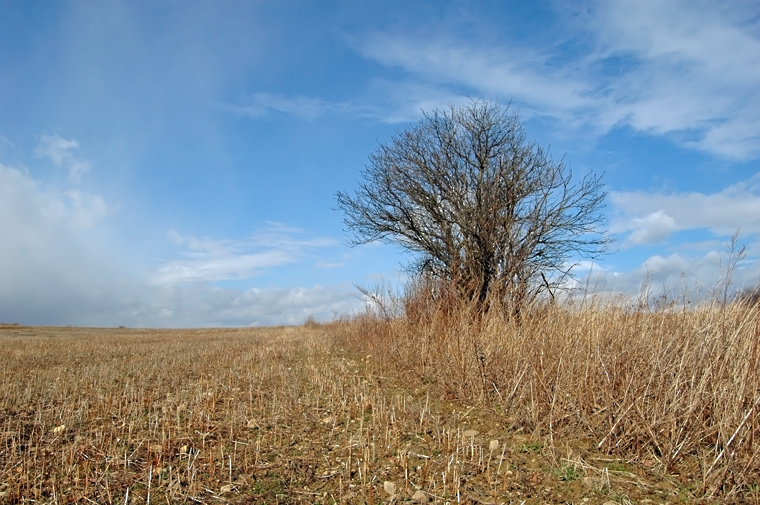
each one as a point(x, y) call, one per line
point(175, 163)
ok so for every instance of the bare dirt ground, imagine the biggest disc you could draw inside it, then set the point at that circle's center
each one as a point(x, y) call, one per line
point(270, 415)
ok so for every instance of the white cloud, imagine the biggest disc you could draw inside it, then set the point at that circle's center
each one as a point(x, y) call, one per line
point(652, 217)
point(210, 260)
point(403, 102)
point(54, 260)
point(60, 264)
point(204, 305)
point(654, 228)
point(62, 152)
point(487, 70)
point(680, 277)
point(5, 144)
point(683, 69)
point(391, 103)
point(261, 103)
point(698, 70)
point(86, 210)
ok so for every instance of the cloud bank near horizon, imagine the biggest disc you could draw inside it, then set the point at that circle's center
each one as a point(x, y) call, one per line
point(60, 264)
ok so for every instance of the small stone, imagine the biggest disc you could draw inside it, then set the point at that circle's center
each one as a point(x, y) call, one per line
point(226, 489)
point(389, 487)
point(493, 445)
point(471, 433)
point(420, 497)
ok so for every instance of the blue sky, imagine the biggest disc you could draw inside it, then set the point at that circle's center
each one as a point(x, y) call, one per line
point(175, 163)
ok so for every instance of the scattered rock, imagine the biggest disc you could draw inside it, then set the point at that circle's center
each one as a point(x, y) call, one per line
point(493, 445)
point(471, 433)
point(226, 489)
point(420, 497)
point(389, 487)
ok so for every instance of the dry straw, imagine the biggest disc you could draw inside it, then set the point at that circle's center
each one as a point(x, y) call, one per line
point(677, 386)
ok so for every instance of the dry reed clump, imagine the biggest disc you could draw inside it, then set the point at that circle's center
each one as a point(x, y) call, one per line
point(678, 391)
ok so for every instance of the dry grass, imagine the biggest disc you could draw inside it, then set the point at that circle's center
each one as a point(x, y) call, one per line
point(675, 391)
point(590, 406)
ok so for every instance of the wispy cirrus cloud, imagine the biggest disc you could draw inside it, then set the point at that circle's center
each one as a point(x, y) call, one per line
point(206, 259)
point(692, 74)
point(62, 153)
point(485, 70)
point(403, 102)
point(261, 103)
point(660, 68)
point(697, 73)
point(385, 102)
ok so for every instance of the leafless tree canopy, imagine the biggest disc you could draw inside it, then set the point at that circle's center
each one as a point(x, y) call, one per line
point(478, 204)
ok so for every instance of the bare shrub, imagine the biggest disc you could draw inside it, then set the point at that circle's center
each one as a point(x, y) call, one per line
point(478, 205)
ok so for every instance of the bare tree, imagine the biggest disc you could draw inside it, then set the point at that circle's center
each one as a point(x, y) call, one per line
point(478, 204)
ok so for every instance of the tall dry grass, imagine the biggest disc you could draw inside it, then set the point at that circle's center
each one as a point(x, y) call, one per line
point(675, 388)
point(241, 416)
point(563, 406)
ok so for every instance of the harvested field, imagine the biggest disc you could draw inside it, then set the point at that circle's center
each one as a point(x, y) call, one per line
point(306, 414)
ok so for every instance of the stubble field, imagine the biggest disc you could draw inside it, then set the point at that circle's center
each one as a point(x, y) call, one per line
point(561, 408)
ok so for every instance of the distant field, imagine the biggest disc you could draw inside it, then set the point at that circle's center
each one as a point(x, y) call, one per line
point(351, 412)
